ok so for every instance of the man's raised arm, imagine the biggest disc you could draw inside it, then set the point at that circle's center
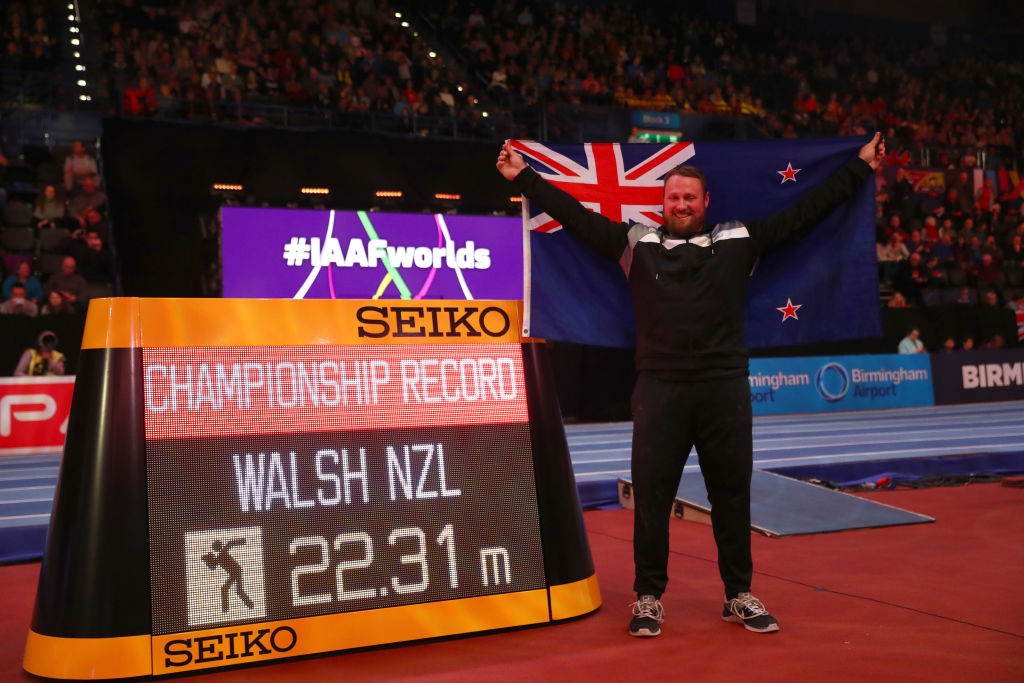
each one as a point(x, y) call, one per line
point(604, 236)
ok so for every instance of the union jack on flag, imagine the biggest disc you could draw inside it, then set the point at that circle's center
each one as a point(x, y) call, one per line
point(620, 182)
point(572, 294)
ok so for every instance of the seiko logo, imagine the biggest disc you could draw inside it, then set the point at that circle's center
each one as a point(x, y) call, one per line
point(227, 646)
point(432, 321)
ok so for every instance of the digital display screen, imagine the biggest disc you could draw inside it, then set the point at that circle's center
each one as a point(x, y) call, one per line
point(290, 482)
point(304, 254)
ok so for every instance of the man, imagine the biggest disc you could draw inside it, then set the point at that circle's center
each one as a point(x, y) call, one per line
point(44, 359)
point(69, 283)
point(912, 343)
point(688, 282)
point(78, 166)
point(19, 303)
point(88, 198)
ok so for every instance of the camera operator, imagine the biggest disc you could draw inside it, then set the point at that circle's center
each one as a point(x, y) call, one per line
point(45, 360)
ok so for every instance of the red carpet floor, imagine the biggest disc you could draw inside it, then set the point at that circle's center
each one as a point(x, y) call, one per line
point(923, 602)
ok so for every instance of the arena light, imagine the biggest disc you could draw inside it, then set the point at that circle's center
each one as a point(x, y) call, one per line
point(485, 114)
point(77, 55)
point(398, 15)
point(74, 41)
point(447, 197)
point(73, 29)
point(71, 17)
point(314, 190)
point(432, 54)
point(82, 83)
point(79, 67)
point(227, 187)
point(405, 24)
point(388, 194)
point(518, 199)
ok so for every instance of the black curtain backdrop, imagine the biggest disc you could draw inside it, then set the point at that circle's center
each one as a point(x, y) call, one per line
point(159, 178)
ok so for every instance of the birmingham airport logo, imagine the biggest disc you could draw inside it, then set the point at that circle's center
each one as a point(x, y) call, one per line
point(224, 575)
point(832, 382)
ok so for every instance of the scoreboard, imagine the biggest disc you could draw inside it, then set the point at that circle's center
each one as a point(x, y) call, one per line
point(296, 477)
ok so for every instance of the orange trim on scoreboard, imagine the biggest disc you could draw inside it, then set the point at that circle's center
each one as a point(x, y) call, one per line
point(133, 322)
point(112, 323)
point(94, 658)
point(243, 644)
point(576, 598)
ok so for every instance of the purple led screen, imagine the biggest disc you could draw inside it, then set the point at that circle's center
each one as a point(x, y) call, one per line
point(291, 253)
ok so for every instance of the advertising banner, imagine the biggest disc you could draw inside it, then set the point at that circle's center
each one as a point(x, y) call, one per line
point(979, 376)
point(826, 384)
point(34, 413)
point(301, 254)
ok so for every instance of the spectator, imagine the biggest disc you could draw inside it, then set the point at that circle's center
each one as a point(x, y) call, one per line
point(19, 304)
point(43, 359)
point(985, 197)
point(897, 300)
point(997, 342)
point(69, 283)
point(88, 198)
point(56, 304)
point(23, 276)
point(93, 260)
point(911, 343)
point(949, 345)
point(911, 275)
point(49, 209)
point(990, 299)
point(1016, 305)
point(968, 344)
point(986, 272)
point(77, 167)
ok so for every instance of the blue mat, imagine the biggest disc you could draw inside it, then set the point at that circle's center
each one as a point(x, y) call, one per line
point(780, 506)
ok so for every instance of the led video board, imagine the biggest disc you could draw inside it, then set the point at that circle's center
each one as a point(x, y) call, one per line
point(305, 254)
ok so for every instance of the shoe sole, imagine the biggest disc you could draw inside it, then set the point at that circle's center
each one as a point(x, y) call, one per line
point(645, 633)
point(736, 620)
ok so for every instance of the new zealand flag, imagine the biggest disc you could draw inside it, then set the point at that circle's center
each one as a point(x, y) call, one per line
point(820, 288)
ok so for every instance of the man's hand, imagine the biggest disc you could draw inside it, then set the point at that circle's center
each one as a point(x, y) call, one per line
point(510, 162)
point(874, 152)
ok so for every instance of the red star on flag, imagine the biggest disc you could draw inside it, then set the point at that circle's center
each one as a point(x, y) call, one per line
point(789, 174)
point(789, 310)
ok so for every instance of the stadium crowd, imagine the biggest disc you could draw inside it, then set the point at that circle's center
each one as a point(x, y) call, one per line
point(55, 254)
point(27, 36)
point(202, 60)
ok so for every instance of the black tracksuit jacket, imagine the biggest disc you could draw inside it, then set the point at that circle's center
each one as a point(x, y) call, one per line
point(689, 295)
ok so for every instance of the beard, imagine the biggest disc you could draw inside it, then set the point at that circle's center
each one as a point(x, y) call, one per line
point(684, 226)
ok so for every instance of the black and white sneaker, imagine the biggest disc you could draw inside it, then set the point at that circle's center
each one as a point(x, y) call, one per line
point(747, 610)
point(648, 614)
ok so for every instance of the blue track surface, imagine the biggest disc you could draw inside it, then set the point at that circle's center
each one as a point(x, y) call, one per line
point(600, 454)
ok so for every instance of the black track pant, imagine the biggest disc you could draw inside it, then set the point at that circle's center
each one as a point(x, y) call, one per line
point(668, 419)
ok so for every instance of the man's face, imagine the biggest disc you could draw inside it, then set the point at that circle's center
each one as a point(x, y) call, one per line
point(88, 185)
point(685, 206)
point(78, 148)
point(68, 266)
